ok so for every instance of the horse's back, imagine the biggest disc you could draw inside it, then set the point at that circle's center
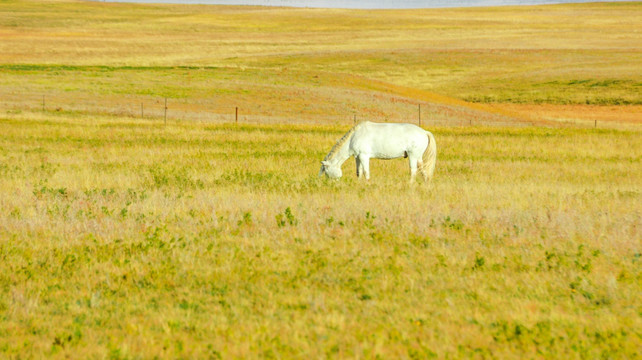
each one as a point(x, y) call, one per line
point(388, 140)
point(388, 129)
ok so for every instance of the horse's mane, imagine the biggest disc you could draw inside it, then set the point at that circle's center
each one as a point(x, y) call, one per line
point(340, 143)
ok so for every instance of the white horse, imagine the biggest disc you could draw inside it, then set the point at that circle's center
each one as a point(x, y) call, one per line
point(383, 141)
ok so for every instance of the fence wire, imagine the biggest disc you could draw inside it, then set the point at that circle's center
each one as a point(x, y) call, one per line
point(201, 110)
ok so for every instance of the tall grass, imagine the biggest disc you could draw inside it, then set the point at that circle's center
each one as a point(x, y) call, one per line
point(121, 238)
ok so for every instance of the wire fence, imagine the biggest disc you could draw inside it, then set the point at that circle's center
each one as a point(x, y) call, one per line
point(166, 110)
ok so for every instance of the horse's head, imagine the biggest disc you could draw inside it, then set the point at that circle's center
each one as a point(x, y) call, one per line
point(333, 171)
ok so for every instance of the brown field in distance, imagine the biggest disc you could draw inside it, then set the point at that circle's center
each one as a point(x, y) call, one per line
point(286, 62)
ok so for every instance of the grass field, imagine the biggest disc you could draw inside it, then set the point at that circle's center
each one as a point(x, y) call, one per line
point(125, 238)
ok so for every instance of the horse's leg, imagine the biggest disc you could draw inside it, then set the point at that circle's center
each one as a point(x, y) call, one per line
point(359, 167)
point(413, 168)
point(365, 165)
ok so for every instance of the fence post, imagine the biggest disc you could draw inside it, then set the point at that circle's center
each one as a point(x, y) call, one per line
point(236, 116)
point(142, 114)
point(165, 111)
point(354, 121)
point(596, 123)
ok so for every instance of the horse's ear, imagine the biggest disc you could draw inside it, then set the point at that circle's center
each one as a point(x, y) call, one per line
point(325, 163)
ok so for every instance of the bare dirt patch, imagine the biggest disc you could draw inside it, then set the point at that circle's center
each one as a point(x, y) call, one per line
point(579, 114)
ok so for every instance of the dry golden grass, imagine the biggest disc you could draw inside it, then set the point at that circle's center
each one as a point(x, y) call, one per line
point(562, 54)
point(212, 94)
point(122, 238)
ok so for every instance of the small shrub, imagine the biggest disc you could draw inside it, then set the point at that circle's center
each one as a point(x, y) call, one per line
point(479, 262)
point(286, 218)
point(246, 220)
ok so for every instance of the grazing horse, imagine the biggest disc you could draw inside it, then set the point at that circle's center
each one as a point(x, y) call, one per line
point(383, 141)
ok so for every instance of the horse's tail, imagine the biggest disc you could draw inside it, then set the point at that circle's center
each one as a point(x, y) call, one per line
point(429, 158)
